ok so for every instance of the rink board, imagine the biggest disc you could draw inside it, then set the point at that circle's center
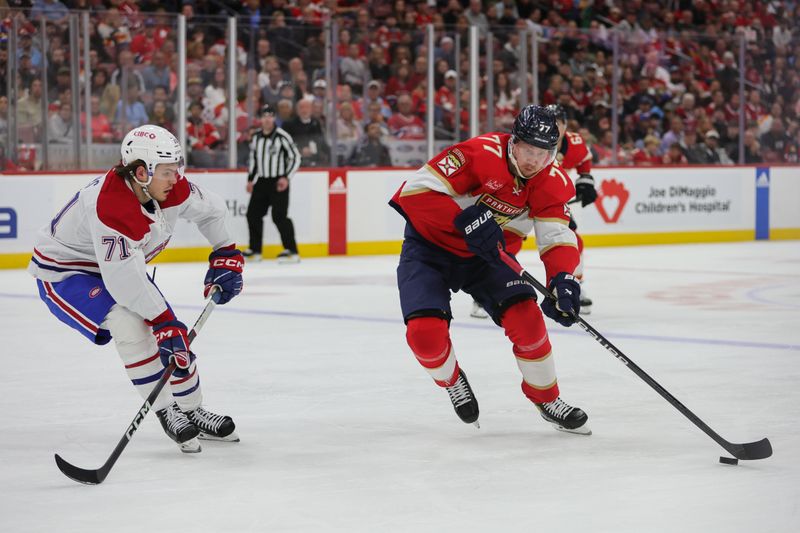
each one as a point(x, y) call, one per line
point(345, 210)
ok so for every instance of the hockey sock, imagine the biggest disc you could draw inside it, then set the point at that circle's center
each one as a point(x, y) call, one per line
point(429, 339)
point(525, 328)
point(138, 350)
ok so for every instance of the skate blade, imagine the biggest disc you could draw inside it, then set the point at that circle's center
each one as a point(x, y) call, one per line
point(288, 260)
point(233, 437)
point(583, 430)
point(190, 446)
point(477, 424)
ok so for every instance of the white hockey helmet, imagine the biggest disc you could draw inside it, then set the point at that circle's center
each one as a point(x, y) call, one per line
point(153, 145)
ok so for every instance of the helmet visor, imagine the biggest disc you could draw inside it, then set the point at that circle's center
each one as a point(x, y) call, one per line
point(530, 159)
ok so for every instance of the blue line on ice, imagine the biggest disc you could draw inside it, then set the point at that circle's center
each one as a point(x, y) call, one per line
point(560, 331)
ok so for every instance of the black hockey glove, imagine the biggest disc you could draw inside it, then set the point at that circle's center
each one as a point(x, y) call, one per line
point(481, 232)
point(567, 294)
point(584, 189)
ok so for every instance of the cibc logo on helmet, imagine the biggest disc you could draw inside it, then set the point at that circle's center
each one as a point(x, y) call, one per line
point(147, 134)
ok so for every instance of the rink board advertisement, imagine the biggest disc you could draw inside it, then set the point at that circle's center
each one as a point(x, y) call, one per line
point(347, 211)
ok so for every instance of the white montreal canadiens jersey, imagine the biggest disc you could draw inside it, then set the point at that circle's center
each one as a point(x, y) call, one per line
point(104, 230)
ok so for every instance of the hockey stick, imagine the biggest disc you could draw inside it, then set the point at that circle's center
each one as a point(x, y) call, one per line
point(95, 477)
point(748, 451)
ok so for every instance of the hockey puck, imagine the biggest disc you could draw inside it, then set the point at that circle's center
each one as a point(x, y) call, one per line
point(728, 461)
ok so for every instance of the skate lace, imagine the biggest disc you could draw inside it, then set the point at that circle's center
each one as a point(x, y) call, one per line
point(206, 419)
point(176, 420)
point(558, 408)
point(459, 393)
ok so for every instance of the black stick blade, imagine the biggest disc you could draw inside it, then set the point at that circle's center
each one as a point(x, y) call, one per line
point(87, 477)
point(751, 451)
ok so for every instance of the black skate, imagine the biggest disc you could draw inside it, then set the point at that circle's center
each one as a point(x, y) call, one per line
point(564, 417)
point(287, 257)
point(464, 401)
point(179, 428)
point(213, 426)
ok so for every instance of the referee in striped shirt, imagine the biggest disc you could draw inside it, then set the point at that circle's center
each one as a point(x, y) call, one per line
point(274, 159)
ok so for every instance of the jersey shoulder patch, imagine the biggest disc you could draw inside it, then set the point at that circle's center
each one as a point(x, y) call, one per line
point(119, 209)
point(450, 162)
point(179, 193)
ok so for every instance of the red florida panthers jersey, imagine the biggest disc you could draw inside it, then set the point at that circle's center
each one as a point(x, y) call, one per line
point(477, 172)
point(574, 153)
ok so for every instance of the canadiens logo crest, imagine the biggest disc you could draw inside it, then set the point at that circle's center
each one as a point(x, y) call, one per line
point(95, 292)
point(451, 162)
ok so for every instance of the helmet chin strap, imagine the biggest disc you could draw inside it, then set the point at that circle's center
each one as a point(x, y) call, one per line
point(144, 185)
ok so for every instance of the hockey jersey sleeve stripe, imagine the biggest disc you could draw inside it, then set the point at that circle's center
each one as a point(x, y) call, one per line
point(551, 234)
point(68, 309)
point(442, 179)
point(545, 249)
point(513, 230)
point(412, 192)
point(64, 263)
point(556, 220)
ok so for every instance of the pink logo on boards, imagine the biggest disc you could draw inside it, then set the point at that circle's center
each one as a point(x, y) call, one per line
point(611, 200)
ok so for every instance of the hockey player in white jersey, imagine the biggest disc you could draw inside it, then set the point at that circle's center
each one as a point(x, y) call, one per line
point(90, 266)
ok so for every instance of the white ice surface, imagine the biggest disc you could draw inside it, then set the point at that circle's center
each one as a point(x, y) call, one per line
point(343, 431)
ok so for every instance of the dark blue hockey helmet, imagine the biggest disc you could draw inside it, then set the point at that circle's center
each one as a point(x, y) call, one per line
point(536, 125)
point(559, 112)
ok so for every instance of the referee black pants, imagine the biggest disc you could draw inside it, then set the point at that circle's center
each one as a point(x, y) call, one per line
point(265, 196)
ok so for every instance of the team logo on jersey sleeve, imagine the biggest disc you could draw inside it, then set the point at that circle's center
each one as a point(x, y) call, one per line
point(451, 162)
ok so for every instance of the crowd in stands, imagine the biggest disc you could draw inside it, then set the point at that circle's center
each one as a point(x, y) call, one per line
point(678, 62)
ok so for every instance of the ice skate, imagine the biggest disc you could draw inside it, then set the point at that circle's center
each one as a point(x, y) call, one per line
point(478, 311)
point(212, 426)
point(251, 256)
point(288, 257)
point(464, 401)
point(586, 302)
point(179, 428)
point(564, 417)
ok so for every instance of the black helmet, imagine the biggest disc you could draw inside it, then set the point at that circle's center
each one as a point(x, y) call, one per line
point(536, 125)
point(559, 112)
point(267, 109)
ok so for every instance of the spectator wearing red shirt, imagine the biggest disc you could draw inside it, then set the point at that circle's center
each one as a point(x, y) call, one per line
point(674, 155)
point(446, 98)
point(404, 124)
point(202, 137)
point(400, 82)
point(101, 126)
point(648, 156)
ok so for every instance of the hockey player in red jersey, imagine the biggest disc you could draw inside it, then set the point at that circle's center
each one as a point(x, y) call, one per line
point(461, 207)
point(574, 154)
point(90, 267)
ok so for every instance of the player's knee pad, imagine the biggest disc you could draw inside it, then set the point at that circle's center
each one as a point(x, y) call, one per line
point(524, 326)
point(428, 336)
point(134, 339)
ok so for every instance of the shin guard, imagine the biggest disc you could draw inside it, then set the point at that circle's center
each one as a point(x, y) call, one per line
point(524, 326)
point(429, 339)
